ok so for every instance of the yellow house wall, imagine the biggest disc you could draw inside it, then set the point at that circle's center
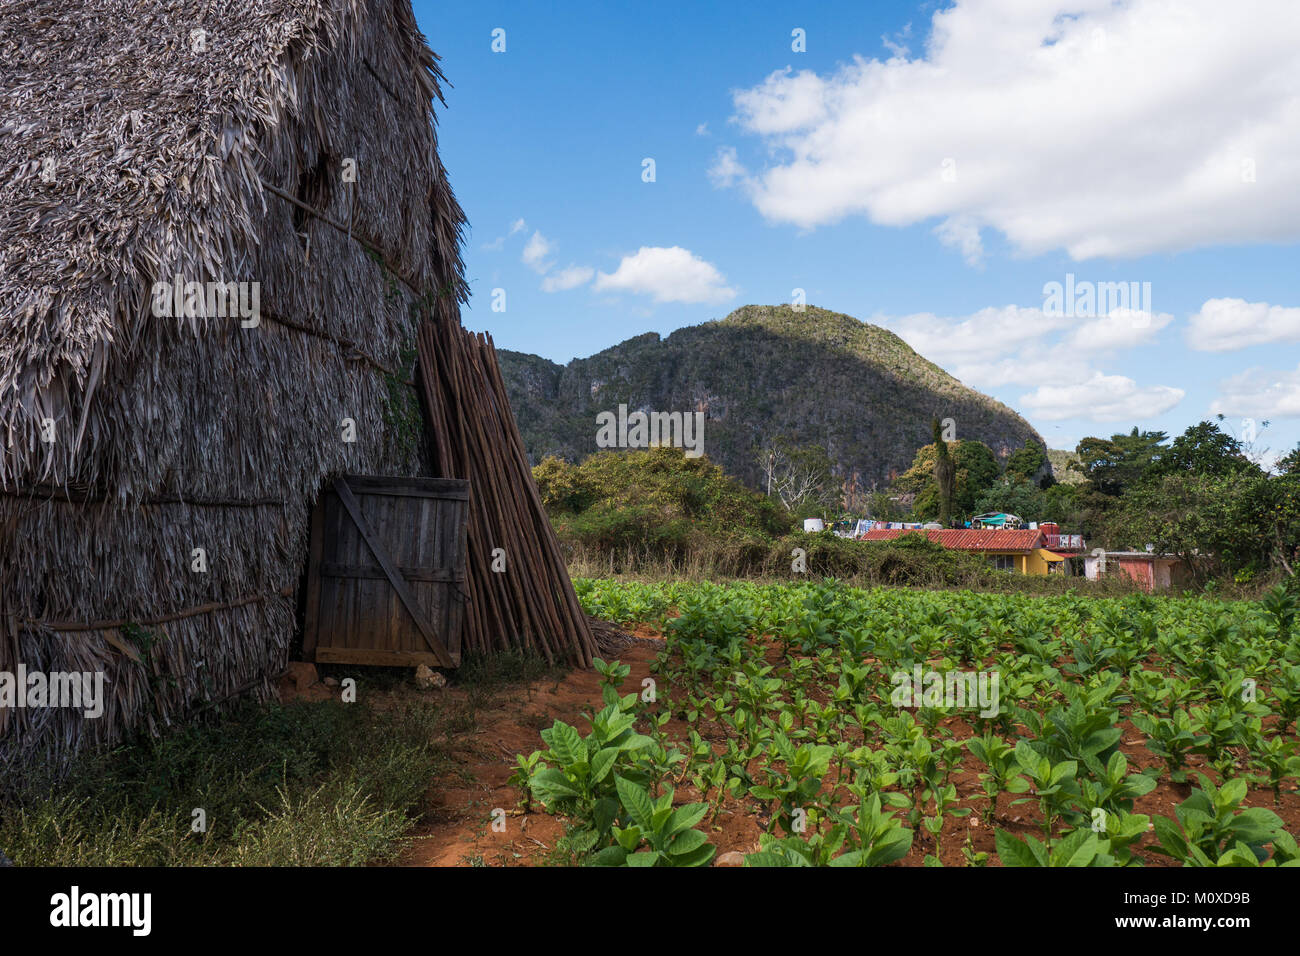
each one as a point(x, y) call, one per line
point(1032, 563)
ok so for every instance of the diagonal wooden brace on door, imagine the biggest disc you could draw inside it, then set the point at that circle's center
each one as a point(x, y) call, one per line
point(394, 576)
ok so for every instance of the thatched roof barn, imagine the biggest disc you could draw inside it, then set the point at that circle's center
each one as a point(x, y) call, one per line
point(282, 153)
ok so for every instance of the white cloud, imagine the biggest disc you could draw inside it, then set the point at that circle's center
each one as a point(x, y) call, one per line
point(961, 232)
point(1102, 398)
point(727, 170)
point(497, 244)
point(1049, 352)
point(974, 339)
point(1101, 128)
point(1121, 329)
point(785, 102)
point(671, 274)
point(1012, 345)
point(536, 251)
point(1260, 393)
point(896, 45)
point(1225, 324)
point(702, 129)
point(569, 278)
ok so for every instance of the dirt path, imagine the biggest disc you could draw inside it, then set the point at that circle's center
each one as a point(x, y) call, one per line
point(459, 831)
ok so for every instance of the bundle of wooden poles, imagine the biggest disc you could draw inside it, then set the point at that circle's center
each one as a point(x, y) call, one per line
point(531, 604)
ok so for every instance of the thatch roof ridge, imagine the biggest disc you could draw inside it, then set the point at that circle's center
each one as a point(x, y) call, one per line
point(126, 155)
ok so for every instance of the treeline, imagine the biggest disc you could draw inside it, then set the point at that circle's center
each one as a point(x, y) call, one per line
point(657, 511)
point(1199, 495)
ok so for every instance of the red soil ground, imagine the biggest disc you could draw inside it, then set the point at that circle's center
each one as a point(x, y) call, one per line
point(457, 830)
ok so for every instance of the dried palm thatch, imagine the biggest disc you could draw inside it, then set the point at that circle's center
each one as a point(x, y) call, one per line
point(146, 140)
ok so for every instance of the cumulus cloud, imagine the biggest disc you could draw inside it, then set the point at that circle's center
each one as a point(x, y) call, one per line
point(977, 339)
point(1062, 124)
point(1053, 353)
point(569, 278)
point(1222, 325)
point(667, 274)
point(1120, 329)
point(1102, 398)
point(1014, 345)
point(536, 250)
point(1260, 393)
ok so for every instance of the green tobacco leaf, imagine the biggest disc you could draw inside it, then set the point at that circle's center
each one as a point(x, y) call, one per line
point(687, 816)
point(1171, 838)
point(893, 846)
point(602, 763)
point(603, 813)
point(567, 744)
point(1078, 849)
point(1013, 851)
point(1256, 825)
point(628, 839)
point(610, 856)
point(686, 842)
point(550, 785)
point(636, 802)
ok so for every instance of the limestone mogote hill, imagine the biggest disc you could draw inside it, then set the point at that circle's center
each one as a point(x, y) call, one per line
point(763, 372)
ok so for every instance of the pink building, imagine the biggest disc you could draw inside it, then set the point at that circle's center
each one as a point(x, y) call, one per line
point(1155, 572)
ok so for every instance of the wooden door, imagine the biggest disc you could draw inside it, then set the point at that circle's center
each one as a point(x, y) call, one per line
point(386, 578)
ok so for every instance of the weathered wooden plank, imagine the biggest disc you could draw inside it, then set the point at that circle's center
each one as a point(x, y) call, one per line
point(350, 548)
point(409, 487)
point(338, 542)
point(378, 656)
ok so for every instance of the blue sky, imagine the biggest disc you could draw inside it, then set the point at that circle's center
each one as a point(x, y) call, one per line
point(930, 168)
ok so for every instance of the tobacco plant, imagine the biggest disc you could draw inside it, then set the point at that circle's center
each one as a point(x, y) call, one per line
point(1172, 739)
point(1213, 830)
point(655, 834)
point(1003, 774)
point(1077, 848)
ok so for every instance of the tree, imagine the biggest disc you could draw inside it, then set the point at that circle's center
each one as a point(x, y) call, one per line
point(1289, 464)
point(1018, 497)
point(945, 475)
point(1204, 449)
point(1026, 462)
point(654, 501)
point(1203, 518)
point(1117, 463)
point(801, 476)
point(975, 470)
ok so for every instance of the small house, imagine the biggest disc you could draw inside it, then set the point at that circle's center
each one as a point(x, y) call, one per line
point(1154, 572)
point(1022, 551)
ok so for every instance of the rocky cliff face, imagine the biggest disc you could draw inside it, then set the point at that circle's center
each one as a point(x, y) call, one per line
point(819, 377)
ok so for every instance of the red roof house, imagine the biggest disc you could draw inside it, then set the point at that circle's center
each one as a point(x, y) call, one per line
point(1024, 551)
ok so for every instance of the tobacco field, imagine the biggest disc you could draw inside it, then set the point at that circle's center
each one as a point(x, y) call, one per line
point(1133, 731)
